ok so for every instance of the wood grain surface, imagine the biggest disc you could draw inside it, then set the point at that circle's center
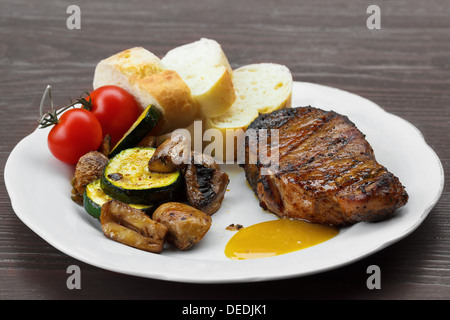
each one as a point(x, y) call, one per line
point(404, 67)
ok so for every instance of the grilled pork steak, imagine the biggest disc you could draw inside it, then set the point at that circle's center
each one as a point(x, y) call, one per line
point(327, 170)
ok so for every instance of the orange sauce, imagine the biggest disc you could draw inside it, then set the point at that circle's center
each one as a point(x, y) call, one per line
point(272, 238)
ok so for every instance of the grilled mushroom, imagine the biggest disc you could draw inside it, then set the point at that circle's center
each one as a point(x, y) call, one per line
point(171, 155)
point(132, 227)
point(149, 141)
point(186, 225)
point(206, 183)
point(88, 169)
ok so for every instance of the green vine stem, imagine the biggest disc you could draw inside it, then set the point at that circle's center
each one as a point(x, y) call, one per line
point(51, 117)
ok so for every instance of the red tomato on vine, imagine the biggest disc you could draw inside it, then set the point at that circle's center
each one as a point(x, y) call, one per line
point(77, 132)
point(116, 110)
point(109, 110)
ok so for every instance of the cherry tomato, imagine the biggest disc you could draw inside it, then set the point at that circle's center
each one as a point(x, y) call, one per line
point(77, 132)
point(116, 110)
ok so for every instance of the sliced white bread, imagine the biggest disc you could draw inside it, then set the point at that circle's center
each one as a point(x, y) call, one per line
point(118, 69)
point(170, 94)
point(205, 68)
point(260, 88)
point(141, 73)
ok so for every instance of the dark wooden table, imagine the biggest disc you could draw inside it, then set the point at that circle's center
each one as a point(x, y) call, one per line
point(404, 67)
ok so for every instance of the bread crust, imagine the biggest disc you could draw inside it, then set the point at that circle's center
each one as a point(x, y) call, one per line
point(117, 69)
point(173, 98)
point(205, 68)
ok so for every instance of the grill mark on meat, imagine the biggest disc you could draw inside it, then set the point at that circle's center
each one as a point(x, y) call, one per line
point(331, 179)
point(328, 172)
point(305, 134)
point(307, 153)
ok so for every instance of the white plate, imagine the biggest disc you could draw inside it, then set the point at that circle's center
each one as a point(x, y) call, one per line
point(39, 188)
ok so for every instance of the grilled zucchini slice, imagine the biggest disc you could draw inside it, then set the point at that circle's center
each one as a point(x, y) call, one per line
point(126, 178)
point(142, 126)
point(94, 197)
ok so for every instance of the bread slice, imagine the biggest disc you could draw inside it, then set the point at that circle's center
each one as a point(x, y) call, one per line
point(141, 73)
point(205, 68)
point(170, 94)
point(117, 70)
point(260, 88)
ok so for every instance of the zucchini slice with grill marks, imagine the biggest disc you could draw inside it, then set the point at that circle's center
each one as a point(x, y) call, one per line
point(126, 178)
point(142, 126)
point(94, 197)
